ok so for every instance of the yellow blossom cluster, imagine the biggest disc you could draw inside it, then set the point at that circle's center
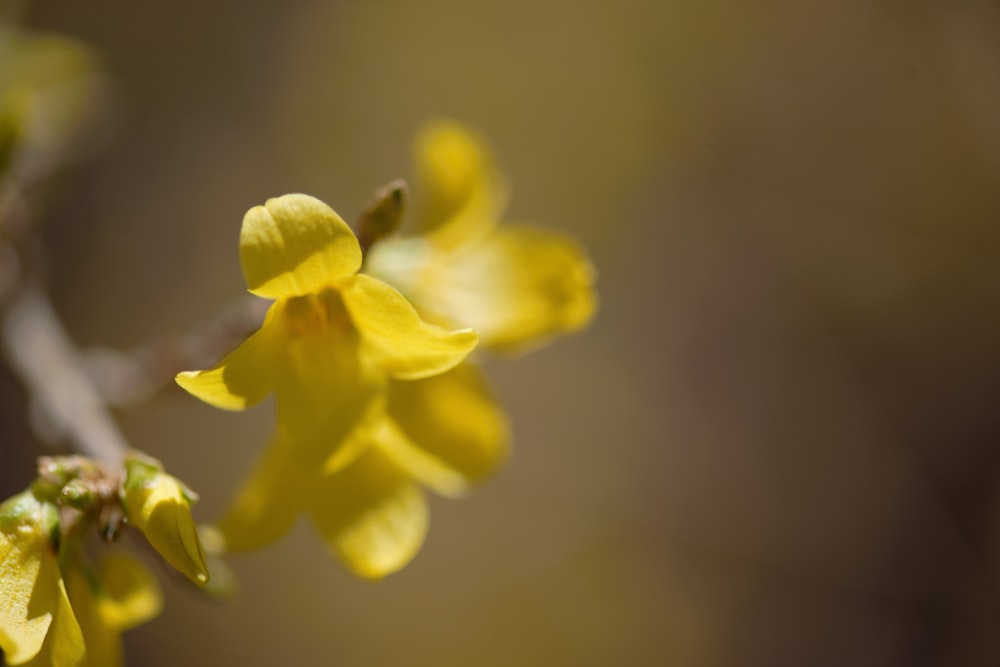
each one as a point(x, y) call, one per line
point(60, 609)
point(367, 354)
point(368, 348)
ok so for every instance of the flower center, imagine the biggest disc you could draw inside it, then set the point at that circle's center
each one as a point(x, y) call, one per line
point(316, 314)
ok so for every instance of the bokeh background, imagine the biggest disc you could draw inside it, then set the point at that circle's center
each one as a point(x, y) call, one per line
point(778, 444)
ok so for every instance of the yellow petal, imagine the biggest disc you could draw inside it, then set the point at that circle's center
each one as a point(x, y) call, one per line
point(452, 432)
point(326, 387)
point(131, 594)
point(362, 437)
point(295, 245)
point(103, 643)
point(394, 336)
point(243, 378)
point(267, 504)
point(372, 516)
point(29, 576)
point(417, 463)
point(158, 504)
point(464, 191)
point(518, 288)
point(123, 595)
point(64, 645)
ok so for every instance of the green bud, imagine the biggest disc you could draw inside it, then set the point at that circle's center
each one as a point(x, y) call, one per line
point(79, 475)
point(78, 494)
point(29, 517)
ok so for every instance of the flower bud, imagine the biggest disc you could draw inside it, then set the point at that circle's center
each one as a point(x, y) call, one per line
point(383, 215)
point(159, 505)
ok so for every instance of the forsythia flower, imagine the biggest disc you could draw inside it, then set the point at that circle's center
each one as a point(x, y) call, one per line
point(57, 609)
point(332, 348)
point(330, 341)
point(445, 432)
point(516, 286)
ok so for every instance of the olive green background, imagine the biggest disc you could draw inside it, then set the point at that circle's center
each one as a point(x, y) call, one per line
point(778, 444)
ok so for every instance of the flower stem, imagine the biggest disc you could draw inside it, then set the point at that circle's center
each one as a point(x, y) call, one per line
point(39, 350)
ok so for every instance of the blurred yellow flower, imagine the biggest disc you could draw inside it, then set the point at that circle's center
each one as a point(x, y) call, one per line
point(330, 341)
point(517, 286)
point(56, 611)
point(50, 91)
point(445, 432)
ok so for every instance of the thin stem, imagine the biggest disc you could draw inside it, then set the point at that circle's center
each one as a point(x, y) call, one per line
point(127, 378)
point(39, 350)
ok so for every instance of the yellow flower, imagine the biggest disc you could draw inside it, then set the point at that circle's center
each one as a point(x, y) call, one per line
point(119, 596)
point(330, 341)
point(55, 611)
point(445, 432)
point(35, 604)
point(517, 286)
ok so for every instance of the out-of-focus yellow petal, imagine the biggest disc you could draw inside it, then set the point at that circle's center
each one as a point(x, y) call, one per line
point(372, 515)
point(123, 595)
point(64, 645)
point(417, 463)
point(243, 378)
point(266, 506)
point(159, 505)
point(401, 344)
point(464, 191)
point(362, 437)
point(449, 422)
point(30, 582)
point(295, 245)
point(103, 641)
point(518, 288)
point(132, 595)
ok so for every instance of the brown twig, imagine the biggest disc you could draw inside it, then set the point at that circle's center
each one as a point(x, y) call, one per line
point(127, 378)
point(39, 350)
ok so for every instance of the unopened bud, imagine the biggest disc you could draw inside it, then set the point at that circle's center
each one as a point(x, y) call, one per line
point(159, 505)
point(78, 494)
point(383, 215)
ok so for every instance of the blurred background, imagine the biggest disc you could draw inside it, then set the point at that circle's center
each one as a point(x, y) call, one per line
point(778, 444)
